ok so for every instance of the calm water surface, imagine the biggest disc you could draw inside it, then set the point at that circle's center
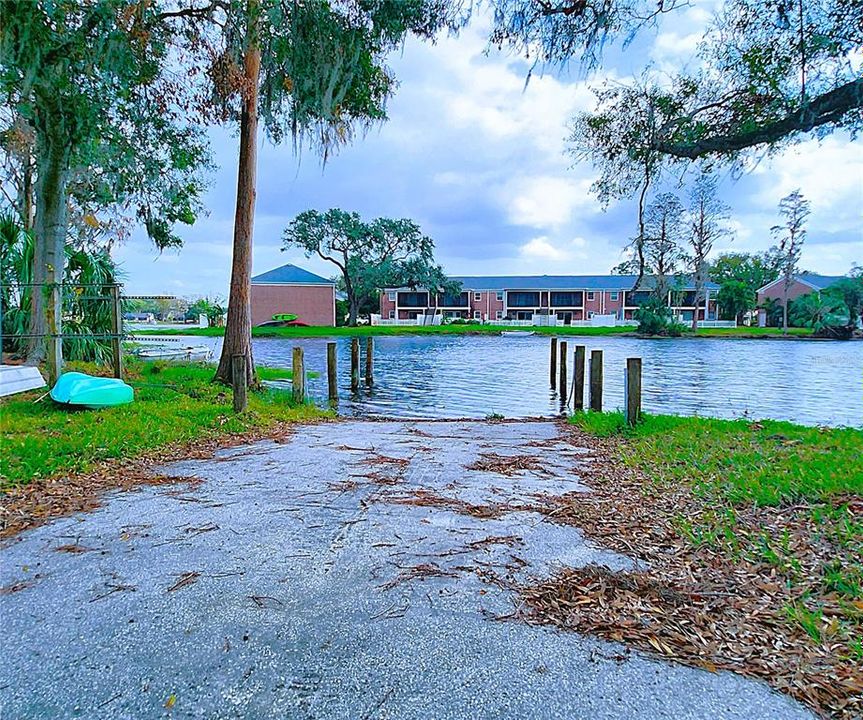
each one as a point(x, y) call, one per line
point(475, 376)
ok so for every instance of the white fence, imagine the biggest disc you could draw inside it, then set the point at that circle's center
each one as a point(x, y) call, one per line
point(548, 321)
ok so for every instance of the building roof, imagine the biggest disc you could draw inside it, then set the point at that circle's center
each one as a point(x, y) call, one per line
point(290, 275)
point(813, 280)
point(819, 282)
point(563, 282)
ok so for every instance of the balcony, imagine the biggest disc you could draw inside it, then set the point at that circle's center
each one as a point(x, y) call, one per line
point(447, 300)
point(522, 299)
point(412, 300)
point(567, 299)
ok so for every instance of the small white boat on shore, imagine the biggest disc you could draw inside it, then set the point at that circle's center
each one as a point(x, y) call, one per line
point(517, 333)
point(191, 353)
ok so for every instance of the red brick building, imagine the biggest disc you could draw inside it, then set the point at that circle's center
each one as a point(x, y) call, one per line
point(801, 284)
point(568, 297)
point(290, 289)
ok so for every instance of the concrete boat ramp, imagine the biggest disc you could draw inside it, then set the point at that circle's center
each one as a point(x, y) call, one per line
point(311, 579)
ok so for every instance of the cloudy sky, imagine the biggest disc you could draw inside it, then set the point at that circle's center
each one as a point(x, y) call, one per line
point(478, 160)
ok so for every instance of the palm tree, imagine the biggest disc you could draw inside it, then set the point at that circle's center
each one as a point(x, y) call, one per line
point(86, 309)
point(818, 311)
point(773, 308)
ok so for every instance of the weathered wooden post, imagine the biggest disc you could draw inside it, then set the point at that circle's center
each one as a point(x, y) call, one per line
point(332, 376)
point(632, 390)
point(578, 377)
point(562, 387)
point(596, 380)
point(117, 331)
point(238, 382)
point(298, 376)
point(55, 331)
point(355, 364)
point(553, 368)
point(370, 345)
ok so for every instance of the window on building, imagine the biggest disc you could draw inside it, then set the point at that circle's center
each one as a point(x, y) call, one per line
point(614, 296)
point(500, 295)
point(477, 297)
point(498, 315)
point(392, 314)
point(391, 296)
point(476, 315)
point(591, 296)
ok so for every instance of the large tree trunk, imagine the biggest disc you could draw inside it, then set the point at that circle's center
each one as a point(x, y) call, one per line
point(353, 311)
point(238, 328)
point(27, 194)
point(49, 240)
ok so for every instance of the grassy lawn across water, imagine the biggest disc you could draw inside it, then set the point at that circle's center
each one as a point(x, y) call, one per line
point(174, 404)
point(364, 330)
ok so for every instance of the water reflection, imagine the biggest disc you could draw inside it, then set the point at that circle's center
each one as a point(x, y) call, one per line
point(461, 376)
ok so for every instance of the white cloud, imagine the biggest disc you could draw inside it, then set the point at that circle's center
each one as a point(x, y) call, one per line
point(829, 173)
point(545, 201)
point(542, 248)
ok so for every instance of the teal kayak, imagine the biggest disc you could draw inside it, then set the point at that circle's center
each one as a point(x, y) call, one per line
point(74, 388)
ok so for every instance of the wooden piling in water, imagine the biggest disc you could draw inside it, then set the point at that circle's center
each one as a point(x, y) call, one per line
point(298, 379)
point(355, 364)
point(578, 377)
point(238, 382)
point(370, 348)
point(632, 390)
point(596, 380)
point(332, 374)
point(553, 367)
point(562, 385)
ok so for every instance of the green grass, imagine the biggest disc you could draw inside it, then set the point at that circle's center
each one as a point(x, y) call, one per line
point(174, 403)
point(365, 330)
point(771, 493)
point(754, 332)
point(766, 462)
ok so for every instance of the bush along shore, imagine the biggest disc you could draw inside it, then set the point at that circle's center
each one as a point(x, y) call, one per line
point(57, 460)
point(751, 535)
point(302, 331)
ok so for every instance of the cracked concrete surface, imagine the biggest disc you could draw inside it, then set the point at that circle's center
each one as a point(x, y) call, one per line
point(294, 581)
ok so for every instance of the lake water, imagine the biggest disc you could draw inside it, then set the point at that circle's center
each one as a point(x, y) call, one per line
point(473, 376)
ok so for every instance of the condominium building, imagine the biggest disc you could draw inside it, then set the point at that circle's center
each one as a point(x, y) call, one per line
point(568, 298)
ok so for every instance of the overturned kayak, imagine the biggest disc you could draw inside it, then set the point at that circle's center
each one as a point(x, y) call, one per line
point(74, 388)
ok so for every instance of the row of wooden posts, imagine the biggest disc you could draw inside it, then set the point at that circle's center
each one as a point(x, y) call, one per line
point(298, 372)
point(558, 378)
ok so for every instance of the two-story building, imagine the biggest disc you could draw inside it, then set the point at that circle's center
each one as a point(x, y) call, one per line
point(533, 298)
point(801, 284)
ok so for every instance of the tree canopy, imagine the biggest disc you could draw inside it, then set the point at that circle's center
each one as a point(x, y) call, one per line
point(764, 75)
point(768, 74)
point(310, 71)
point(372, 255)
point(94, 115)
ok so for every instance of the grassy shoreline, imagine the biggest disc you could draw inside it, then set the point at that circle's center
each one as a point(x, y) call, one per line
point(752, 538)
point(383, 330)
point(174, 404)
